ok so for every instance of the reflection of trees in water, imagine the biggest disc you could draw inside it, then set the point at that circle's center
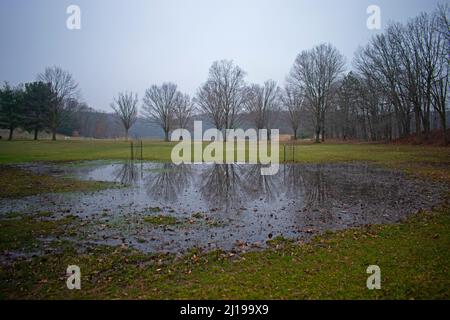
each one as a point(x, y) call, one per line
point(227, 184)
point(307, 182)
point(169, 181)
point(320, 185)
point(231, 185)
point(317, 187)
point(127, 173)
point(222, 184)
point(258, 185)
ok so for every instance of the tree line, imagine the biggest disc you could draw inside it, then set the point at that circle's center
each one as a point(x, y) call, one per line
point(41, 105)
point(399, 78)
point(397, 81)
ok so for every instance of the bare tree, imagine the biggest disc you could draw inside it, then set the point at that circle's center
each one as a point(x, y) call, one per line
point(425, 45)
point(262, 102)
point(183, 111)
point(160, 103)
point(408, 64)
point(347, 102)
point(208, 101)
point(222, 97)
point(381, 62)
point(293, 99)
point(65, 88)
point(315, 71)
point(440, 85)
point(126, 109)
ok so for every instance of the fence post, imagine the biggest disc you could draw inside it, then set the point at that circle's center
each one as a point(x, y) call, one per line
point(293, 152)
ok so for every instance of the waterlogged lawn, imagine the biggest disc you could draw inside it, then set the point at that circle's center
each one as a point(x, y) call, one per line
point(21, 232)
point(413, 257)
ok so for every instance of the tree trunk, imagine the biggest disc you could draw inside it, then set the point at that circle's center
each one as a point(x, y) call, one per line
point(444, 127)
point(54, 134)
point(317, 133)
point(323, 128)
point(11, 130)
point(166, 135)
point(417, 120)
point(36, 134)
point(126, 134)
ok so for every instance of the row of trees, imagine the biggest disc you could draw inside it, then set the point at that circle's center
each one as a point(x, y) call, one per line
point(40, 105)
point(163, 105)
point(224, 98)
point(399, 79)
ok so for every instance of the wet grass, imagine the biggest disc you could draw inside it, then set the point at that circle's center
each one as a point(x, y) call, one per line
point(17, 183)
point(19, 232)
point(161, 220)
point(413, 257)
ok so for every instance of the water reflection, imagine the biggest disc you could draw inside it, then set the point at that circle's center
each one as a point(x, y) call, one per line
point(127, 173)
point(222, 184)
point(232, 185)
point(236, 203)
point(168, 181)
point(260, 186)
point(309, 183)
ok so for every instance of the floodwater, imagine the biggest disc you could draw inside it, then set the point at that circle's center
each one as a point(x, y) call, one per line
point(227, 206)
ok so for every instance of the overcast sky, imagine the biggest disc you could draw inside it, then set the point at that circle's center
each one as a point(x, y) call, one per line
point(130, 45)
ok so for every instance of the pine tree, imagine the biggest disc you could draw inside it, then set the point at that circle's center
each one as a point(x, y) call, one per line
point(11, 107)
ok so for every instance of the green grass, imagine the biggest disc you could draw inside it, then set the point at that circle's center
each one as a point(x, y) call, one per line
point(22, 234)
point(413, 257)
point(17, 183)
point(30, 151)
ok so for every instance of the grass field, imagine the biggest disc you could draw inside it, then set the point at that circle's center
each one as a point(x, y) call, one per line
point(26, 151)
point(414, 255)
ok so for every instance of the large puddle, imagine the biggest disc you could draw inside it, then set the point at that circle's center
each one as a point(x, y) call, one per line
point(228, 207)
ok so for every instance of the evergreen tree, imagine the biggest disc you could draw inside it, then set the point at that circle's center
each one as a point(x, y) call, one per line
point(11, 108)
point(38, 98)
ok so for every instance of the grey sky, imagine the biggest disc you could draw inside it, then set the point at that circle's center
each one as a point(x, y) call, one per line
point(130, 45)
